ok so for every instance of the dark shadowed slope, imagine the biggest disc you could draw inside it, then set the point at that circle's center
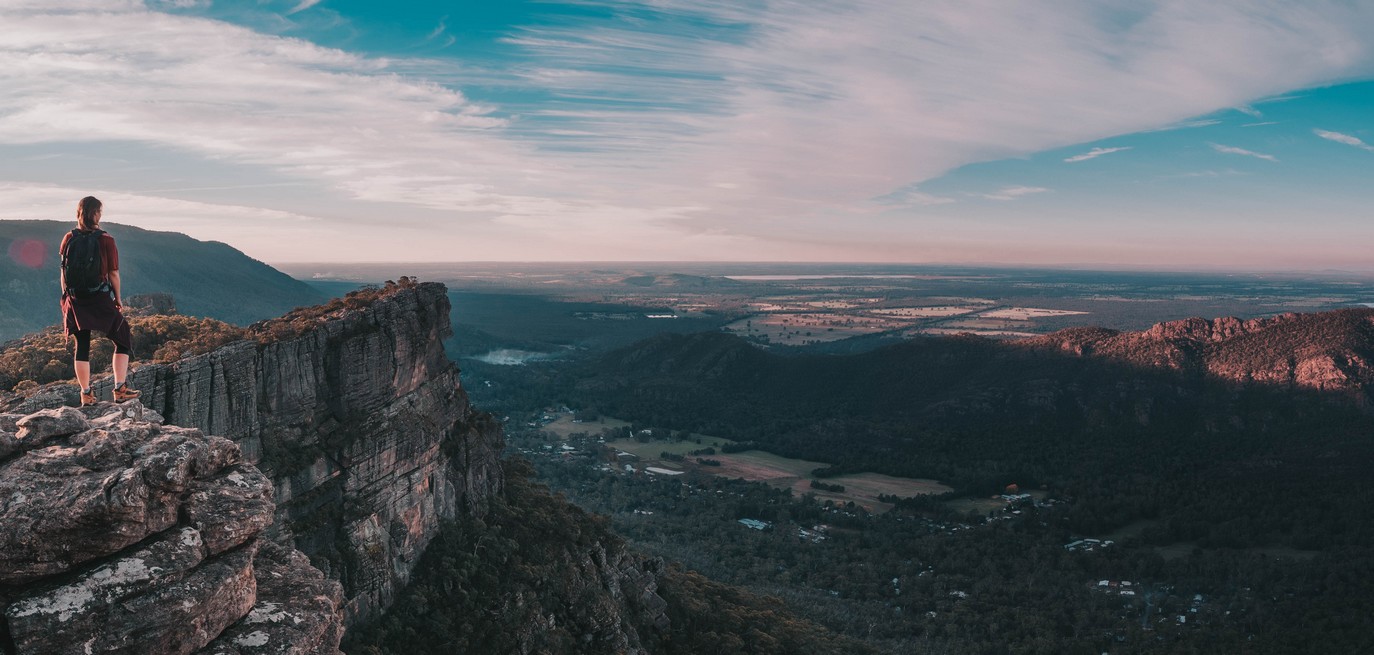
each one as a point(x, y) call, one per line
point(207, 278)
point(1177, 420)
point(1056, 376)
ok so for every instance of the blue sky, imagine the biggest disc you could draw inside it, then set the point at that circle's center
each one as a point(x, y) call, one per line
point(1163, 134)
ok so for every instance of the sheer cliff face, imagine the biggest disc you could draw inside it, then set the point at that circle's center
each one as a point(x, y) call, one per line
point(121, 535)
point(358, 418)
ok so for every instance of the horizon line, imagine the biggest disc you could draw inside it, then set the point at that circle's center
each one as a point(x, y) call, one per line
point(1079, 267)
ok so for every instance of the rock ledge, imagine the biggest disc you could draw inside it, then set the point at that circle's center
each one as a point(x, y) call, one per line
point(119, 534)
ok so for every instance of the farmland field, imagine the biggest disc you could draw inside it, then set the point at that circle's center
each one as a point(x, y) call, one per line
point(810, 327)
point(1028, 313)
point(565, 425)
point(924, 312)
point(782, 472)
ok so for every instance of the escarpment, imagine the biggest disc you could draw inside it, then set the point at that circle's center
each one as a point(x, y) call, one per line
point(119, 534)
point(355, 414)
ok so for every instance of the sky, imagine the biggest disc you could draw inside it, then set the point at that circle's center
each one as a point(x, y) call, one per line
point(1140, 134)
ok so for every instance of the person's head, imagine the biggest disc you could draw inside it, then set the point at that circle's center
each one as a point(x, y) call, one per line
point(88, 213)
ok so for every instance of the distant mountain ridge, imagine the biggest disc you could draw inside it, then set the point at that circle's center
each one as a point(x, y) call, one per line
point(207, 278)
point(1327, 351)
point(967, 409)
point(1222, 432)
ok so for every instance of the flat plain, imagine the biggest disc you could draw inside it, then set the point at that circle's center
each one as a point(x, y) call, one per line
point(782, 472)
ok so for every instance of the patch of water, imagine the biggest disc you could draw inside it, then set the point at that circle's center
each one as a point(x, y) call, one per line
point(511, 357)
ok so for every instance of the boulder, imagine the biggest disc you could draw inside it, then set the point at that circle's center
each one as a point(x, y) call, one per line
point(49, 423)
point(121, 535)
point(99, 491)
point(297, 612)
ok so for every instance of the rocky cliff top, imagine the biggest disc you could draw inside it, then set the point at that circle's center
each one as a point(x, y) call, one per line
point(119, 534)
point(356, 416)
point(1328, 351)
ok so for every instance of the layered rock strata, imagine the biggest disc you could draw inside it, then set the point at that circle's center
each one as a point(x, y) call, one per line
point(119, 534)
point(357, 416)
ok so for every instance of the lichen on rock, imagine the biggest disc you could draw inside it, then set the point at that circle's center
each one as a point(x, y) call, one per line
point(121, 535)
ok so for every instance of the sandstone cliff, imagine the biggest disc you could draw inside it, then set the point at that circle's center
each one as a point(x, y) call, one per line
point(122, 535)
point(357, 417)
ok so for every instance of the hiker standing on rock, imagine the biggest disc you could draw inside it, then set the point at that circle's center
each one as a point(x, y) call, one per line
point(91, 299)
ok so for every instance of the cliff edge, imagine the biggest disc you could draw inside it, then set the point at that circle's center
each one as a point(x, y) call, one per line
point(355, 414)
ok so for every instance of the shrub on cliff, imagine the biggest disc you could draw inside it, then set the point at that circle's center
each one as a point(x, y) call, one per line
point(46, 356)
point(304, 319)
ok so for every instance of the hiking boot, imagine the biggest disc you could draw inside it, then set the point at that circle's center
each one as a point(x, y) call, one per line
point(123, 393)
point(87, 397)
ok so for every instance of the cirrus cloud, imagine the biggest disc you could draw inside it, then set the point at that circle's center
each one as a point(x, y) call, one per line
point(1232, 150)
point(1095, 153)
point(1014, 192)
point(689, 124)
point(1344, 138)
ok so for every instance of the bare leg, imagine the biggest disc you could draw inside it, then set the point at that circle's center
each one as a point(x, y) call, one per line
point(121, 368)
point(83, 374)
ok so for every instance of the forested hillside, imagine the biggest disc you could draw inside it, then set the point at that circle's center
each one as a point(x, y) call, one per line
point(1228, 438)
point(207, 278)
point(1223, 463)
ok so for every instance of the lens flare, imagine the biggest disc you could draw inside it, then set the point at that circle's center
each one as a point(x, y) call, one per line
point(30, 253)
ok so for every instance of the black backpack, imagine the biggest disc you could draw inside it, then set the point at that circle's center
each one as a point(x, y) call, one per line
point(82, 264)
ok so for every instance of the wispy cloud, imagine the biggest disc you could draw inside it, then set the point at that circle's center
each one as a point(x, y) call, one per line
point(1344, 138)
point(443, 25)
point(912, 196)
point(1014, 192)
point(1251, 111)
point(1232, 150)
point(1202, 174)
point(204, 220)
point(1095, 153)
point(1260, 123)
point(863, 89)
point(439, 31)
point(303, 5)
point(1186, 125)
point(684, 124)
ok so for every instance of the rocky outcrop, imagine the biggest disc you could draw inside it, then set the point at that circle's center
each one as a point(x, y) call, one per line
point(356, 414)
point(608, 602)
point(1328, 351)
point(119, 534)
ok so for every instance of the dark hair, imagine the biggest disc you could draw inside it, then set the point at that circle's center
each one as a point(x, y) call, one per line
point(86, 211)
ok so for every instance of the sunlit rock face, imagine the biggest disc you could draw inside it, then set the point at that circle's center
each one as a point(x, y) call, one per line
point(357, 416)
point(1327, 351)
point(120, 534)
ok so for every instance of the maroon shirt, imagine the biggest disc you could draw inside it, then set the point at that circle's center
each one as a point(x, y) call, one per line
point(109, 254)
